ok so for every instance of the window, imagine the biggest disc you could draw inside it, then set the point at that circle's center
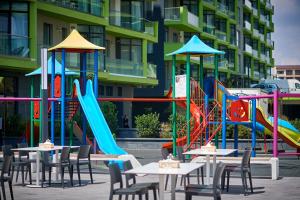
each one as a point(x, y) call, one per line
point(280, 72)
point(297, 85)
point(64, 33)
point(14, 28)
point(109, 91)
point(47, 34)
point(8, 88)
point(120, 92)
point(289, 72)
point(101, 88)
point(297, 72)
point(129, 49)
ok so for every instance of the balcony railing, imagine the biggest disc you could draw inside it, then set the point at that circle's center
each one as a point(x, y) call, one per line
point(209, 1)
point(124, 67)
point(151, 71)
point(254, 53)
point(267, 23)
point(193, 19)
point(84, 6)
point(14, 45)
point(263, 18)
point(231, 14)
point(172, 14)
point(248, 4)
point(127, 21)
point(269, 5)
point(247, 25)
point(263, 57)
point(209, 28)
point(248, 48)
point(270, 42)
point(255, 12)
point(221, 35)
point(255, 32)
point(233, 40)
point(223, 64)
point(230, 65)
point(262, 37)
point(222, 7)
point(268, 60)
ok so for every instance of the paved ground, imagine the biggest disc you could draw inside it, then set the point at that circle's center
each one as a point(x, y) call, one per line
point(287, 187)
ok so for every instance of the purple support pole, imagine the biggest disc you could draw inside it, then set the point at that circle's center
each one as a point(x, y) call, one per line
point(275, 123)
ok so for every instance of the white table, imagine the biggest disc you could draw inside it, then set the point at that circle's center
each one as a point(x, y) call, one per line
point(38, 150)
point(218, 152)
point(153, 169)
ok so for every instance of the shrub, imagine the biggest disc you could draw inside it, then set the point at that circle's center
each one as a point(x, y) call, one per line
point(166, 130)
point(110, 113)
point(148, 125)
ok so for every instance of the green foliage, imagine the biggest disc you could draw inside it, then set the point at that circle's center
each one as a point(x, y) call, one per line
point(148, 125)
point(243, 132)
point(296, 123)
point(110, 113)
point(166, 130)
point(180, 124)
point(15, 125)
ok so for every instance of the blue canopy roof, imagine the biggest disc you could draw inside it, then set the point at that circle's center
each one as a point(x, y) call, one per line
point(57, 69)
point(196, 47)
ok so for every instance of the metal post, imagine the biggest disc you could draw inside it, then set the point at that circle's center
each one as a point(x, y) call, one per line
point(275, 127)
point(63, 95)
point(224, 121)
point(52, 96)
point(44, 91)
point(206, 113)
point(216, 67)
point(253, 143)
point(31, 116)
point(188, 101)
point(201, 73)
point(174, 135)
point(236, 135)
point(95, 86)
point(84, 56)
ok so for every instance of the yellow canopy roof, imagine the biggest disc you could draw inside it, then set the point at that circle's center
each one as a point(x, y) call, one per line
point(76, 43)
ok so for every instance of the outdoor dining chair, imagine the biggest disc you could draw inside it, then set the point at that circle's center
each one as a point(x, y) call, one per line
point(6, 176)
point(83, 158)
point(243, 168)
point(154, 186)
point(24, 157)
point(18, 163)
point(203, 190)
point(182, 158)
point(116, 178)
point(64, 162)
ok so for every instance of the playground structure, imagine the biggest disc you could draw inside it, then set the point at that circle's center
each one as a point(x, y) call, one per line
point(220, 108)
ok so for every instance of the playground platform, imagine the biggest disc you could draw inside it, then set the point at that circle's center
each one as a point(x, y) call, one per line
point(286, 187)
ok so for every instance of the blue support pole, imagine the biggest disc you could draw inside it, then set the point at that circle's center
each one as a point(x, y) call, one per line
point(224, 121)
point(63, 96)
point(253, 143)
point(84, 90)
point(96, 53)
point(52, 96)
point(236, 136)
point(206, 113)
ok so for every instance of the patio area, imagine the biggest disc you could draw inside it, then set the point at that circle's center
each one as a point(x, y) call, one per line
point(287, 187)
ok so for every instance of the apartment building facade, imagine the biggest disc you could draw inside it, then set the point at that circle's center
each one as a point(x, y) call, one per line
point(118, 25)
point(287, 72)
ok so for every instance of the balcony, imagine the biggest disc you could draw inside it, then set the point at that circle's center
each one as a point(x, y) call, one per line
point(209, 28)
point(270, 42)
point(263, 19)
point(261, 36)
point(256, 74)
point(248, 4)
point(254, 53)
point(14, 45)
point(268, 60)
point(248, 49)
point(268, 23)
point(124, 67)
point(247, 25)
point(231, 14)
point(209, 1)
point(181, 17)
point(255, 32)
point(130, 22)
point(223, 64)
point(263, 57)
point(233, 40)
point(255, 12)
point(231, 65)
point(221, 35)
point(151, 71)
point(269, 5)
point(84, 6)
point(222, 7)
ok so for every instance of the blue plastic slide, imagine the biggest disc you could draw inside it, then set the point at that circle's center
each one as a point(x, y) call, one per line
point(97, 122)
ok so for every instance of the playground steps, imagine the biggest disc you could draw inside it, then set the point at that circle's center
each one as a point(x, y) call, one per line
point(274, 162)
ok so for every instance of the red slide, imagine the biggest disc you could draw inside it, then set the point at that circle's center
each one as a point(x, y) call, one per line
point(196, 113)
